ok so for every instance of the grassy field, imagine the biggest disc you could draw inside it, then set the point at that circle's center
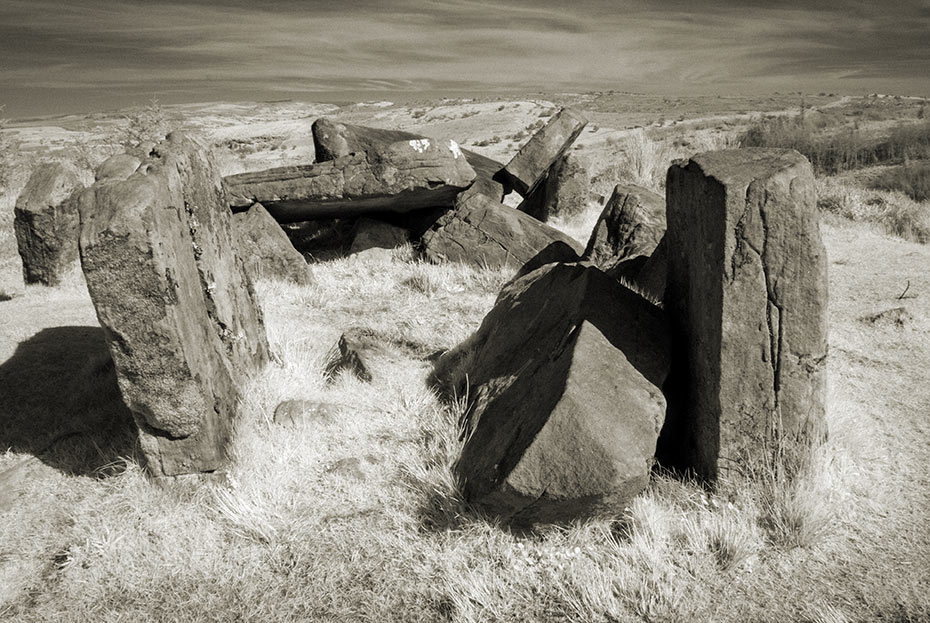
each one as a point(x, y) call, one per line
point(356, 516)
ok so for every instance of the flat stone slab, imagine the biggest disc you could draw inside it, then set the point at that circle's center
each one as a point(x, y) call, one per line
point(401, 177)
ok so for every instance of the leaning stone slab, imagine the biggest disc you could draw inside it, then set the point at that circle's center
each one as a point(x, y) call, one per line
point(562, 192)
point(332, 139)
point(401, 177)
point(630, 225)
point(177, 307)
point(46, 223)
point(266, 250)
point(486, 233)
point(747, 297)
point(534, 159)
point(566, 403)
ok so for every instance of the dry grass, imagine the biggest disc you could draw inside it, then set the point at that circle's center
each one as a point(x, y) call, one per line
point(891, 211)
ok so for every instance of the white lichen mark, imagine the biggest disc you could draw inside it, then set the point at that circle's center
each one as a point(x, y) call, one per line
point(454, 148)
point(420, 144)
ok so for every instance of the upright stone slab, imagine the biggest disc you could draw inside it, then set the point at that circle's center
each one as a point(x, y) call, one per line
point(563, 191)
point(11, 264)
point(534, 159)
point(630, 225)
point(266, 250)
point(46, 223)
point(177, 307)
point(564, 382)
point(747, 297)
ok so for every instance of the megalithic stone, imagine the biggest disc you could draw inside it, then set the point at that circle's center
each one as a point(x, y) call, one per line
point(534, 159)
point(176, 305)
point(46, 223)
point(747, 298)
point(400, 177)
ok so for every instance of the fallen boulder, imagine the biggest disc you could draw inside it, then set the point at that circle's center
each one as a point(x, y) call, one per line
point(400, 177)
point(630, 225)
point(266, 250)
point(332, 139)
point(46, 222)
point(564, 379)
point(485, 233)
point(747, 299)
point(534, 159)
point(117, 167)
point(175, 302)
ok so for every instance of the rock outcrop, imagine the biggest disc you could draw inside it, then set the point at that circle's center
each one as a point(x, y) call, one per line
point(399, 177)
point(46, 223)
point(485, 233)
point(266, 250)
point(377, 239)
point(747, 299)
point(177, 307)
point(11, 264)
point(630, 225)
point(534, 159)
point(332, 139)
point(565, 400)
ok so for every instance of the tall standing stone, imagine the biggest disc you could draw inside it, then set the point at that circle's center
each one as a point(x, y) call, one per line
point(175, 302)
point(747, 298)
point(46, 223)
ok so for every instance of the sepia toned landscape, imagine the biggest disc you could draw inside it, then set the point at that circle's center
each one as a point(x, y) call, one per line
point(342, 491)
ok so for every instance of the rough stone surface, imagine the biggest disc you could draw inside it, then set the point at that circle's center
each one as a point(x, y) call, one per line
point(485, 233)
point(351, 353)
point(630, 225)
point(563, 192)
point(175, 302)
point(535, 158)
point(566, 404)
point(399, 177)
point(646, 275)
point(332, 139)
point(46, 222)
point(295, 412)
point(557, 251)
point(11, 264)
point(377, 239)
point(117, 167)
point(747, 299)
point(266, 250)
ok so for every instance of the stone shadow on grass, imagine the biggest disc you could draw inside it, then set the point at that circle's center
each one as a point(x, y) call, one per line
point(60, 402)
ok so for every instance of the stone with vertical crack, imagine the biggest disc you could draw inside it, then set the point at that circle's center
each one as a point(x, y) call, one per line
point(747, 298)
point(176, 305)
point(564, 379)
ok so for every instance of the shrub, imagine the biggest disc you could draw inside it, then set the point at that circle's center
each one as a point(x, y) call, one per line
point(145, 124)
point(913, 179)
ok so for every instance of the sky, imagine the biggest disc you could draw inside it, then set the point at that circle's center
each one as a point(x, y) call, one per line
point(61, 57)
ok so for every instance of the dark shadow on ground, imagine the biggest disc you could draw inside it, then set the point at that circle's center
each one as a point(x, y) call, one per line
point(60, 402)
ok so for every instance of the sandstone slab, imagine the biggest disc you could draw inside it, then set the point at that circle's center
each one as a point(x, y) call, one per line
point(400, 177)
point(266, 250)
point(565, 399)
point(562, 192)
point(747, 298)
point(377, 239)
point(486, 233)
point(46, 222)
point(332, 140)
point(175, 302)
point(534, 159)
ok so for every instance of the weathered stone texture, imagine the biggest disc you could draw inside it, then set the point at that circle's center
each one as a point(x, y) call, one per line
point(46, 223)
point(177, 307)
point(630, 225)
point(266, 250)
point(566, 404)
point(747, 297)
point(485, 233)
point(563, 192)
point(534, 159)
point(377, 239)
point(332, 139)
point(399, 177)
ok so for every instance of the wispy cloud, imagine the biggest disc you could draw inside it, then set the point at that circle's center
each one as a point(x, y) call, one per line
point(129, 48)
